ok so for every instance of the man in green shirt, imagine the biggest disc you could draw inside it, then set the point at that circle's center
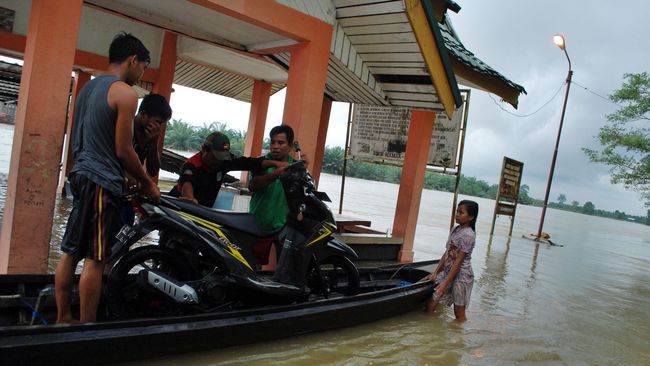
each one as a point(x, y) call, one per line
point(269, 204)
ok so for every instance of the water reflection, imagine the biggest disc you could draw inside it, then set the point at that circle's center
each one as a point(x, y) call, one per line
point(495, 270)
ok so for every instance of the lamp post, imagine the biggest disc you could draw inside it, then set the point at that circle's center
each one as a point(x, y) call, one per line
point(558, 39)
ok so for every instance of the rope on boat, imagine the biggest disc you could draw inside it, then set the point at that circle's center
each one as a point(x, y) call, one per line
point(35, 314)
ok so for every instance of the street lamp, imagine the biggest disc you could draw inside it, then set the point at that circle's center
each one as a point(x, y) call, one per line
point(558, 39)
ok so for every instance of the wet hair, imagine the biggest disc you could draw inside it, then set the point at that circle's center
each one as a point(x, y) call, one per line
point(155, 105)
point(286, 129)
point(472, 210)
point(125, 45)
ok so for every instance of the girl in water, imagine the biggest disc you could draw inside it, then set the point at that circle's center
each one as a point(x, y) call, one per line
point(453, 275)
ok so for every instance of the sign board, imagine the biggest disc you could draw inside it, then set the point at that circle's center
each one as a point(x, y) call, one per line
point(510, 179)
point(381, 133)
point(7, 17)
point(508, 194)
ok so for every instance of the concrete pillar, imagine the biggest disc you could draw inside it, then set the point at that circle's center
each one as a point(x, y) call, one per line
point(317, 159)
point(80, 80)
point(305, 89)
point(256, 122)
point(412, 181)
point(166, 71)
point(40, 119)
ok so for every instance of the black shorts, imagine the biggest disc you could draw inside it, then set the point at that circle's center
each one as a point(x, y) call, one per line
point(94, 220)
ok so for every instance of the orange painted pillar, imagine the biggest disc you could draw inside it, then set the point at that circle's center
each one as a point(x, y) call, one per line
point(305, 89)
point(40, 120)
point(166, 71)
point(317, 159)
point(412, 181)
point(256, 122)
point(68, 157)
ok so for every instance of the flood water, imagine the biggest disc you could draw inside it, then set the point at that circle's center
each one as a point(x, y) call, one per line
point(586, 303)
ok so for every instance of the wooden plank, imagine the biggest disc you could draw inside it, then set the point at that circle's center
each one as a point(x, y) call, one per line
point(371, 9)
point(409, 56)
point(432, 98)
point(384, 47)
point(378, 86)
point(346, 50)
point(409, 88)
point(335, 28)
point(373, 20)
point(395, 64)
point(384, 38)
point(379, 28)
point(338, 48)
point(344, 3)
point(398, 71)
point(352, 59)
point(416, 104)
point(365, 73)
point(348, 81)
point(358, 67)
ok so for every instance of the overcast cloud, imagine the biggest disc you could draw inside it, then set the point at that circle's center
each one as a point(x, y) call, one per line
point(605, 39)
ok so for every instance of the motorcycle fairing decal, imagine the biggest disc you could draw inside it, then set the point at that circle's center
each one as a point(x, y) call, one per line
point(324, 231)
point(232, 248)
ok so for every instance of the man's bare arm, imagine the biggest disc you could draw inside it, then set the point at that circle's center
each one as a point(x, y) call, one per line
point(187, 192)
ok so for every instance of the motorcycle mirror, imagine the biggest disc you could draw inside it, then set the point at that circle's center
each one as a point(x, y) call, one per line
point(296, 148)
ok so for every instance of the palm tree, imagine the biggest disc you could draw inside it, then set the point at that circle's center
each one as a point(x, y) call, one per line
point(182, 136)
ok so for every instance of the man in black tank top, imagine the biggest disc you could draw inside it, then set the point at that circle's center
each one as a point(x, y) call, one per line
point(153, 112)
point(102, 140)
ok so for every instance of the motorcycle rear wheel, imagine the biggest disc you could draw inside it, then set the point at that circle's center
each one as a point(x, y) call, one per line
point(127, 299)
point(340, 276)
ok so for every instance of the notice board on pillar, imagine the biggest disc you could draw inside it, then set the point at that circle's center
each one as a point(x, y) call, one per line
point(508, 193)
point(380, 135)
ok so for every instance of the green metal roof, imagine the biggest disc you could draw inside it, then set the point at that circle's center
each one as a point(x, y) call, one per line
point(462, 54)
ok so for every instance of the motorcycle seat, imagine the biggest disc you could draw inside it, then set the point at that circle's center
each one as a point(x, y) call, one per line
point(242, 221)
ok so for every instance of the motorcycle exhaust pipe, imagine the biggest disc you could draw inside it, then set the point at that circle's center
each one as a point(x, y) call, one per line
point(182, 293)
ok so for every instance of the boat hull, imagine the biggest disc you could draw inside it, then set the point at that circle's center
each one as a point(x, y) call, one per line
point(145, 338)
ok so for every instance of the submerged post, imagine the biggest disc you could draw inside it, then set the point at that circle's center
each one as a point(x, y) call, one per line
point(346, 148)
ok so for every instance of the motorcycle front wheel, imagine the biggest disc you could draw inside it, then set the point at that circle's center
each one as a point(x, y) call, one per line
point(126, 298)
point(339, 276)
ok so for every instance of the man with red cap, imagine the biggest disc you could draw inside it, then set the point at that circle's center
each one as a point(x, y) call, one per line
point(201, 175)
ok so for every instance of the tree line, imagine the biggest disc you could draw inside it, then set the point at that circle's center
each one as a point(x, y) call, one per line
point(470, 186)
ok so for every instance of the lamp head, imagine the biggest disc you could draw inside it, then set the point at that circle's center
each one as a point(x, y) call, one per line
point(558, 39)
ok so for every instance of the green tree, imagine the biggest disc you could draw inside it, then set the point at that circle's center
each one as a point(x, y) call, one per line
point(333, 160)
point(625, 139)
point(181, 135)
point(588, 208)
point(561, 199)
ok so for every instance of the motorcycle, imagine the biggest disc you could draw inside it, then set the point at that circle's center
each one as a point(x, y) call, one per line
point(204, 261)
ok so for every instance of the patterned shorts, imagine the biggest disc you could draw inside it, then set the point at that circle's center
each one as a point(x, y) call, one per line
point(457, 294)
point(93, 222)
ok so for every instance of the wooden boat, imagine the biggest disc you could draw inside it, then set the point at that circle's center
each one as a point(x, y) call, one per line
point(385, 292)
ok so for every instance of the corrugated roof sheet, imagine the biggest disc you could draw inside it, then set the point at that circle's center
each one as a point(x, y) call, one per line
point(216, 81)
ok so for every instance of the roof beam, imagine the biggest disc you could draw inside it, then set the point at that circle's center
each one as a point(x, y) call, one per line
point(271, 16)
point(434, 54)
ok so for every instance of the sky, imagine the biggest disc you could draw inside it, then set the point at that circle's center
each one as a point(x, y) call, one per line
point(604, 40)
